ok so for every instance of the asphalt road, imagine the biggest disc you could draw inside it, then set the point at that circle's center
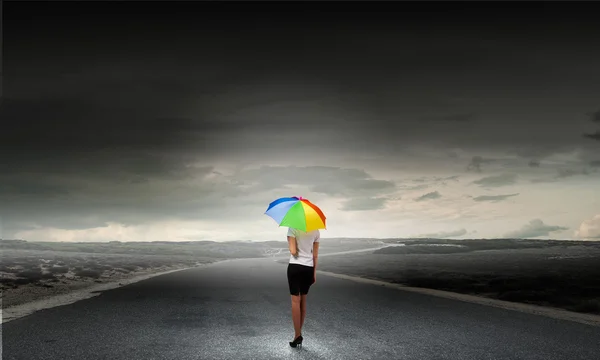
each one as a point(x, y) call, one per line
point(241, 310)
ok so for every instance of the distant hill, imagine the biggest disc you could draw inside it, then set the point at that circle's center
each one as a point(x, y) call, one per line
point(194, 248)
point(204, 248)
point(245, 249)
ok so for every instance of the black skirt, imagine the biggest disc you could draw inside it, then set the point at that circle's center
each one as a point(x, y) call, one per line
point(300, 278)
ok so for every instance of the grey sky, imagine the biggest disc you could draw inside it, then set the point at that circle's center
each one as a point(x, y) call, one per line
point(186, 124)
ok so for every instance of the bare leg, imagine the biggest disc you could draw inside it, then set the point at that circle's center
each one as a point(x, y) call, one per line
point(302, 310)
point(296, 315)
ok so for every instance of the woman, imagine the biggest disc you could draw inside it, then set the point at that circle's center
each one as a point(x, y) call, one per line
point(301, 273)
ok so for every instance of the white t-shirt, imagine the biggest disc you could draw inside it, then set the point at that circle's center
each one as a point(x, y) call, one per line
point(305, 241)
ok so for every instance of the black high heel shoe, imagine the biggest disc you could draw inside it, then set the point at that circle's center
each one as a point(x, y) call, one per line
point(297, 342)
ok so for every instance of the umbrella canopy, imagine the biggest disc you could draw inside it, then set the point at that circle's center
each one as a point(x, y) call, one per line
point(296, 212)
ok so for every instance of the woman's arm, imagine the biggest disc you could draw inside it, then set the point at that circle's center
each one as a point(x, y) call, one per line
point(315, 258)
point(293, 246)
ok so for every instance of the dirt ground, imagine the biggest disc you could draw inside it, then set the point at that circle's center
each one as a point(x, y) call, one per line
point(30, 275)
point(559, 276)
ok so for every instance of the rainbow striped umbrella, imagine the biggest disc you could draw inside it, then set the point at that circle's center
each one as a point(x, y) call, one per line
point(296, 212)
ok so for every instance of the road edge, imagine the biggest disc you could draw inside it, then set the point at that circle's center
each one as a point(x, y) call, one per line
point(555, 313)
point(18, 311)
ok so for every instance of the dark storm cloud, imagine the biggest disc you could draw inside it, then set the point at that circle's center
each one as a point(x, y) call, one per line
point(452, 118)
point(565, 173)
point(109, 114)
point(33, 186)
point(437, 179)
point(364, 204)
point(429, 196)
point(72, 135)
point(476, 162)
point(534, 163)
point(593, 136)
point(562, 174)
point(81, 202)
point(426, 182)
point(544, 180)
point(333, 181)
point(497, 180)
point(444, 234)
point(595, 163)
point(595, 117)
point(96, 203)
point(535, 228)
point(389, 78)
point(494, 198)
point(415, 187)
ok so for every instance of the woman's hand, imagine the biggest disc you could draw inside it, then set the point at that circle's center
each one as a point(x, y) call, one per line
point(293, 246)
point(314, 278)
